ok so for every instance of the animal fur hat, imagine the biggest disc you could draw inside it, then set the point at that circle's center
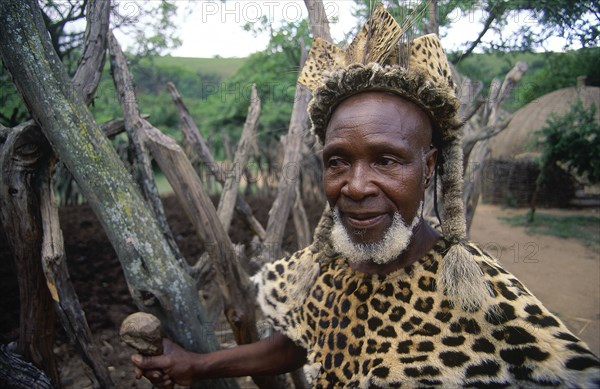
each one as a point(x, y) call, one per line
point(381, 59)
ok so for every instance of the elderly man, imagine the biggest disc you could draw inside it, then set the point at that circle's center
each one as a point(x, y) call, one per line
point(382, 299)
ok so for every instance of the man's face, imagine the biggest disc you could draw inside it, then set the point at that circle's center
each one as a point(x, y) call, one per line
point(376, 157)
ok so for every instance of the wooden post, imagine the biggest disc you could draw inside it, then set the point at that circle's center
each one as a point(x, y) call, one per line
point(15, 373)
point(230, 188)
point(194, 138)
point(134, 125)
point(20, 157)
point(59, 283)
point(156, 281)
point(233, 282)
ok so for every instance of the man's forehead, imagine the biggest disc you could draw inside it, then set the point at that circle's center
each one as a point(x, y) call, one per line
point(383, 112)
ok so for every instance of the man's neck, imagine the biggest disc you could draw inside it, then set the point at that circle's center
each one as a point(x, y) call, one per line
point(423, 239)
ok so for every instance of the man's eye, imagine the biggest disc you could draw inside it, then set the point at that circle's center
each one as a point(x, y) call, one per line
point(386, 161)
point(335, 162)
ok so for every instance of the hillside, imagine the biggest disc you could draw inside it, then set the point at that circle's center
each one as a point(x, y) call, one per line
point(547, 71)
point(224, 67)
point(199, 78)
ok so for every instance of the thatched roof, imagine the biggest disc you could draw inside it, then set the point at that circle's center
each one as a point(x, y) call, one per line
point(516, 139)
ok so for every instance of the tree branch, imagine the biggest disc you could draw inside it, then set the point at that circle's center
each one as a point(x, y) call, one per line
point(230, 189)
point(319, 25)
point(486, 26)
point(132, 229)
point(89, 71)
point(135, 127)
point(194, 138)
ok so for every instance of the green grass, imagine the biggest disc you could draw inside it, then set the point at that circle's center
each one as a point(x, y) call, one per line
point(584, 228)
point(224, 67)
point(162, 184)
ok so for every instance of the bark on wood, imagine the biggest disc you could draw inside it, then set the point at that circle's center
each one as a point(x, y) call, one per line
point(21, 155)
point(317, 15)
point(115, 127)
point(303, 236)
point(473, 180)
point(57, 278)
point(233, 282)
point(433, 26)
point(291, 163)
point(230, 189)
point(478, 131)
point(132, 229)
point(134, 125)
point(15, 373)
point(290, 172)
point(289, 175)
point(89, 71)
point(194, 138)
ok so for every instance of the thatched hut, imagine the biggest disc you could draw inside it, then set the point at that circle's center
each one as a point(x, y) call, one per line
point(512, 168)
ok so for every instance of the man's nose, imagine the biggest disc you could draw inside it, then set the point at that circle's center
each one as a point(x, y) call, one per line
point(359, 183)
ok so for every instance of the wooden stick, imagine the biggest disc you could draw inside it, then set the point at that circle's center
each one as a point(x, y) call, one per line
point(15, 373)
point(21, 155)
point(156, 281)
point(301, 225)
point(280, 210)
point(230, 189)
point(197, 142)
point(59, 283)
point(230, 276)
point(134, 125)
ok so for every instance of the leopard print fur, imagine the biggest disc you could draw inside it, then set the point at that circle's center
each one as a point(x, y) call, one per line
point(399, 331)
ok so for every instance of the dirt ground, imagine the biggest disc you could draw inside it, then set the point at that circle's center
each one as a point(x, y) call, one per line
point(564, 274)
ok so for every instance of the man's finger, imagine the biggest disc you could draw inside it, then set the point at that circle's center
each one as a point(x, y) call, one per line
point(145, 363)
point(168, 384)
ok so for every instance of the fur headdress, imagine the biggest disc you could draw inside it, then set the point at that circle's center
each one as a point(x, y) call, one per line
point(380, 58)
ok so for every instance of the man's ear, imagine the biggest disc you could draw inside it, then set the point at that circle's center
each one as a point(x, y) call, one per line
point(430, 162)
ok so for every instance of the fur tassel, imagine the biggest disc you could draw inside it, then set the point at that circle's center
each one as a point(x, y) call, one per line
point(462, 280)
point(453, 221)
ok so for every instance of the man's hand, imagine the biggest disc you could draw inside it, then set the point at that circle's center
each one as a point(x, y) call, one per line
point(175, 366)
point(274, 355)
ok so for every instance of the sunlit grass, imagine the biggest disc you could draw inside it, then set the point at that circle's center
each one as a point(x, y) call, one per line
point(584, 228)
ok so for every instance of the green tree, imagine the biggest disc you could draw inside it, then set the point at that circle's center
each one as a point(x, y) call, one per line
point(274, 71)
point(560, 70)
point(577, 21)
point(571, 142)
point(547, 71)
point(152, 23)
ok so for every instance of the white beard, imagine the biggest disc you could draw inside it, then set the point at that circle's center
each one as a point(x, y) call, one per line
point(394, 242)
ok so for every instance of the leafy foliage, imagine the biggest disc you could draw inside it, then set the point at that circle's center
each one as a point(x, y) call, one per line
point(560, 70)
point(573, 140)
point(152, 23)
point(547, 71)
point(274, 71)
point(195, 79)
point(576, 21)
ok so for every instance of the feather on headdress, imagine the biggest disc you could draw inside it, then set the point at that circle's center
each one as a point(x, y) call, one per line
point(380, 58)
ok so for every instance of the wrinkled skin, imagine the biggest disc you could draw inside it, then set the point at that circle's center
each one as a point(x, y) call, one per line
point(378, 160)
